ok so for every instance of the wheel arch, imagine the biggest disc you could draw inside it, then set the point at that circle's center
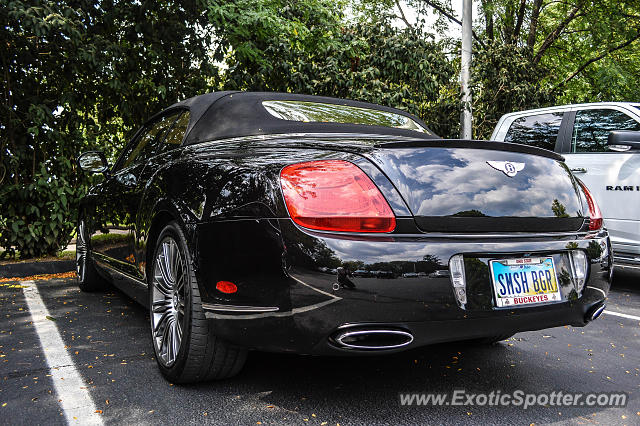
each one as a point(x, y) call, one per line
point(159, 221)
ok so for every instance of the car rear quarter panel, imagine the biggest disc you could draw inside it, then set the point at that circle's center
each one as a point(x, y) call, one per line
point(214, 185)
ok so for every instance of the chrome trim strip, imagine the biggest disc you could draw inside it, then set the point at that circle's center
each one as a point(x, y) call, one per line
point(236, 308)
point(599, 289)
point(361, 332)
point(211, 315)
point(333, 296)
point(106, 265)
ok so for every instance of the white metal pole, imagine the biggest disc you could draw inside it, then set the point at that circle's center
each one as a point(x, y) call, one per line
point(465, 63)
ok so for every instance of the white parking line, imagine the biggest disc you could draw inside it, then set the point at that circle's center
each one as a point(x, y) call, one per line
point(72, 392)
point(618, 314)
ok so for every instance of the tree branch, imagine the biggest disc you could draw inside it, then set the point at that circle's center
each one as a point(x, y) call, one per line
point(519, 19)
point(533, 27)
point(597, 58)
point(553, 36)
point(402, 16)
point(452, 18)
point(507, 21)
point(488, 19)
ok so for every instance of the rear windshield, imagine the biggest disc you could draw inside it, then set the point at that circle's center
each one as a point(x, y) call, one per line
point(332, 113)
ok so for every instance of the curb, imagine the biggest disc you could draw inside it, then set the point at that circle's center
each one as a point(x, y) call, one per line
point(26, 269)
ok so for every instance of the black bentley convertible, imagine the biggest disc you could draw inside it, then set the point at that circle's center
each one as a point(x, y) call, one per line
point(316, 225)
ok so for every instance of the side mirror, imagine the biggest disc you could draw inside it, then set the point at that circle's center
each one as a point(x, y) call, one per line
point(623, 140)
point(93, 162)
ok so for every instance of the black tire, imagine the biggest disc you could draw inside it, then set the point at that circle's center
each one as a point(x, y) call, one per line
point(201, 356)
point(89, 280)
point(489, 340)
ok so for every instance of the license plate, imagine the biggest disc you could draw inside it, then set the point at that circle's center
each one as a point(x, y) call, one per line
point(526, 281)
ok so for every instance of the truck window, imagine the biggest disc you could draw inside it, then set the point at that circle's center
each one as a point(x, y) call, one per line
point(539, 130)
point(592, 126)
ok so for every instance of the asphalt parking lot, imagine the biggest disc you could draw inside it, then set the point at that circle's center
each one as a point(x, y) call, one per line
point(105, 337)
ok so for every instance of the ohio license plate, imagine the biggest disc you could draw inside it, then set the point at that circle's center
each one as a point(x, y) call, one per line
point(526, 281)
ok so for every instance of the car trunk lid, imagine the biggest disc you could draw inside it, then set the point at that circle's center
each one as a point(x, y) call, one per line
point(476, 186)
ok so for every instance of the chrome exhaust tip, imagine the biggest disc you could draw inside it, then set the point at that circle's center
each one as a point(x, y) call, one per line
point(373, 339)
point(595, 312)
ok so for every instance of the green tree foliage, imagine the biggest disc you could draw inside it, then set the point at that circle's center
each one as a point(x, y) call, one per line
point(586, 47)
point(596, 56)
point(574, 50)
point(504, 80)
point(79, 75)
point(263, 42)
point(307, 47)
point(530, 53)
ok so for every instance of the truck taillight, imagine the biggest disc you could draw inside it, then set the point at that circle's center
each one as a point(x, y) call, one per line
point(335, 195)
point(595, 215)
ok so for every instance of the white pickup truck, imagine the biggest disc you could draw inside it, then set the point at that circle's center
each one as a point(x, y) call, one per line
point(608, 163)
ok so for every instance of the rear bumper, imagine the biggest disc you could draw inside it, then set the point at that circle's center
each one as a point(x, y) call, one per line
point(312, 333)
point(299, 301)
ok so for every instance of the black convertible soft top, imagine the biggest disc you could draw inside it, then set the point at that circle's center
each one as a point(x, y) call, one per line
point(229, 114)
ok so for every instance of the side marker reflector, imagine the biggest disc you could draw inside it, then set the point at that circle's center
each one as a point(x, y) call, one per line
point(226, 287)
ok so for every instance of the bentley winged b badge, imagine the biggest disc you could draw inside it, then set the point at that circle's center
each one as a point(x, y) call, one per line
point(507, 167)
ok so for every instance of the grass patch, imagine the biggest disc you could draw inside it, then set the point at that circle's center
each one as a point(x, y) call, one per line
point(107, 239)
point(66, 255)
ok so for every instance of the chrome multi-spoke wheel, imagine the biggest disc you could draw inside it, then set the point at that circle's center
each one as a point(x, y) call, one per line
point(81, 251)
point(168, 298)
point(186, 348)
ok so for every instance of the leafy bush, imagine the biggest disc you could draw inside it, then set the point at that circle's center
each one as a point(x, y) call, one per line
point(78, 76)
point(274, 47)
point(37, 218)
point(505, 80)
point(319, 53)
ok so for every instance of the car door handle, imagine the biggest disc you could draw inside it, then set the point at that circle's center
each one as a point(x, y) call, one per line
point(579, 170)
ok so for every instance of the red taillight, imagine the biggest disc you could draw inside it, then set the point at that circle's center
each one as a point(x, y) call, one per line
point(226, 287)
point(335, 195)
point(595, 216)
